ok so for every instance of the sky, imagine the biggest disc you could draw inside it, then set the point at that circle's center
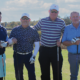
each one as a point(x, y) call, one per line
point(37, 9)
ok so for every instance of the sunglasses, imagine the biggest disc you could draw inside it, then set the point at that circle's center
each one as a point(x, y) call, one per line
point(54, 11)
point(25, 18)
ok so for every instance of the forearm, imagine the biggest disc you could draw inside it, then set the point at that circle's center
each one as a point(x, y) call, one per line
point(10, 42)
point(36, 49)
point(61, 37)
point(32, 59)
point(68, 43)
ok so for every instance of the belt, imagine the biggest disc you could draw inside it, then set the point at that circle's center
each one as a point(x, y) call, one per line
point(1, 54)
point(47, 46)
point(24, 53)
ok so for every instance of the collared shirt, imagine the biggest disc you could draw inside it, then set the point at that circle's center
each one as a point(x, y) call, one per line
point(50, 30)
point(25, 38)
point(3, 31)
point(3, 37)
point(70, 33)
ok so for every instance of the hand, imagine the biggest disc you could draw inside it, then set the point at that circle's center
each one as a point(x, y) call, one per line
point(73, 40)
point(4, 44)
point(0, 45)
point(58, 43)
point(32, 59)
point(77, 42)
point(14, 40)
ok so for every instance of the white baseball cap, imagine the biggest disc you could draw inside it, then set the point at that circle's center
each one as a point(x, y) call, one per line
point(54, 6)
point(25, 14)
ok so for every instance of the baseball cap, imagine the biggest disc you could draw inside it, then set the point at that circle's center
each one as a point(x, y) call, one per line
point(54, 6)
point(25, 14)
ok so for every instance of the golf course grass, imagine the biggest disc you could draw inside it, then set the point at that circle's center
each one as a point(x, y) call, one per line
point(10, 74)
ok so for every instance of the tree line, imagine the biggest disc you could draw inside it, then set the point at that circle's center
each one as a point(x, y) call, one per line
point(32, 23)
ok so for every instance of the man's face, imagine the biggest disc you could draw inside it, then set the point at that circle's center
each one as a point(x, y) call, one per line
point(0, 17)
point(75, 18)
point(53, 14)
point(25, 21)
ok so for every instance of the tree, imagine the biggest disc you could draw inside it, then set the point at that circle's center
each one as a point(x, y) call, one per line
point(67, 20)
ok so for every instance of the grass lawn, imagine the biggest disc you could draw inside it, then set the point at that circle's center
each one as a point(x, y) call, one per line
point(10, 74)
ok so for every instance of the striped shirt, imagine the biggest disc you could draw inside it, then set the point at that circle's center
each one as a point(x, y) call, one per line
point(50, 30)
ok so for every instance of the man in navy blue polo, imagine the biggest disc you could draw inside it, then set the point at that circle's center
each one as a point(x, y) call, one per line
point(3, 38)
point(51, 28)
point(71, 39)
point(24, 38)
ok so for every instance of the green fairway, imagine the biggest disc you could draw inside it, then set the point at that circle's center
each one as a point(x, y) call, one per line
point(10, 74)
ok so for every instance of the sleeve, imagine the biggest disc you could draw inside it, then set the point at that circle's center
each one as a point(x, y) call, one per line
point(36, 36)
point(6, 33)
point(38, 25)
point(7, 38)
point(64, 38)
point(63, 27)
point(12, 34)
point(36, 49)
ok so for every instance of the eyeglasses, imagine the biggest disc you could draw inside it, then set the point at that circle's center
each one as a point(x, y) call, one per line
point(25, 18)
point(54, 11)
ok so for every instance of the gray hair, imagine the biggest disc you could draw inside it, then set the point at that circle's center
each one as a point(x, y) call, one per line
point(74, 12)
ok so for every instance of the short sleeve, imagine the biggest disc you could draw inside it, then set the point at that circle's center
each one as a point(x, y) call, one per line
point(12, 34)
point(38, 25)
point(63, 27)
point(36, 36)
point(7, 38)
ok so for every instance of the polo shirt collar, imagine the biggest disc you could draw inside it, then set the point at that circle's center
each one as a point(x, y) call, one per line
point(51, 20)
point(73, 26)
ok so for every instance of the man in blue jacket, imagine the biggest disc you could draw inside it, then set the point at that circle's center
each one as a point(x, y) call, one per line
point(3, 38)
